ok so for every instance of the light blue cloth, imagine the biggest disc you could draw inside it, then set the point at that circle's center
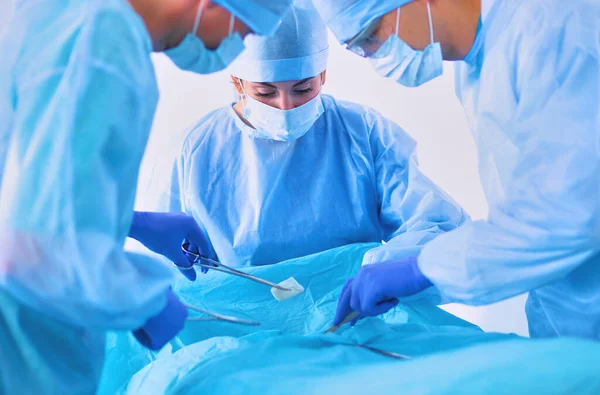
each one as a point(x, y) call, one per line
point(72, 162)
point(77, 99)
point(262, 16)
point(347, 18)
point(531, 91)
point(271, 363)
point(353, 177)
point(40, 355)
point(311, 312)
point(288, 352)
point(297, 50)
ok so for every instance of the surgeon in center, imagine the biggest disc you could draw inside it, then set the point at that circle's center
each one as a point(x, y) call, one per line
point(288, 171)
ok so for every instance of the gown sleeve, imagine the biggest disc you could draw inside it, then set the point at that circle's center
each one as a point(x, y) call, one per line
point(547, 221)
point(67, 194)
point(413, 210)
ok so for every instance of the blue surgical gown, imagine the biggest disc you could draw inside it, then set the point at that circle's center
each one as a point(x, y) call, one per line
point(77, 98)
point(531, 91)
point(352, 178)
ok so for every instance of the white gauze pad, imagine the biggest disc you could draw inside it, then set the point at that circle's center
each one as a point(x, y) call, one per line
point(290, 283)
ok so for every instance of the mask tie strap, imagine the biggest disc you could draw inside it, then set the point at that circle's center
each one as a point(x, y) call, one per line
point(198, 16)
point(398, 21)
point(231, 24)
point(430, 22)
point(244, 94)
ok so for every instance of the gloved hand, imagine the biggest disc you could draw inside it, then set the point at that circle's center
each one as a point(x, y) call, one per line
point(164, 233)
point(160, 329)
point(376, 287)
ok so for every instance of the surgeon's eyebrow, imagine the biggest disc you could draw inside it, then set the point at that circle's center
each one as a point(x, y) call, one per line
point(303, 81)
point(295, 85)
point(267, 85)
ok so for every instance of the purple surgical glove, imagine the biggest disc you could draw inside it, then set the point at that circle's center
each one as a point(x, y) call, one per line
point(160, 329)
point(376, 287)
point(164, 234)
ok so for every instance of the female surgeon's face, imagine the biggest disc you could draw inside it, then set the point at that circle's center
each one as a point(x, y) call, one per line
point(285, 95)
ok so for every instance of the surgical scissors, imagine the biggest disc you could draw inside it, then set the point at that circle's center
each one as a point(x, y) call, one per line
point(218, 266)
point(219, 317)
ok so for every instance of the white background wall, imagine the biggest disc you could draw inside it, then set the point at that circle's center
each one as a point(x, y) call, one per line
point(431, 114)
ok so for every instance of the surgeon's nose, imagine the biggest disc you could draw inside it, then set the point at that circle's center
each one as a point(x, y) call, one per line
point(285, 102)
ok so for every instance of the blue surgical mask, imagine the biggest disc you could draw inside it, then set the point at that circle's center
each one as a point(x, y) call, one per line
point(281, 125)
point(398, 61)
point(192, 55)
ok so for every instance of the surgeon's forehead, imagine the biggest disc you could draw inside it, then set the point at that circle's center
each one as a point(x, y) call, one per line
point(282, 83)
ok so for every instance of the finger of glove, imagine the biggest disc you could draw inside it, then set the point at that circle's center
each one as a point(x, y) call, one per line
point(198, 237)
point(343, 307)
point(185, 266)
point(355, 299)
point(190, 274)
point(385, 306)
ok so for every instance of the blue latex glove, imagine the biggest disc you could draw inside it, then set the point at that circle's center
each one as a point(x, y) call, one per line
point(376, 287)
point(160, 329)
point(164, 233)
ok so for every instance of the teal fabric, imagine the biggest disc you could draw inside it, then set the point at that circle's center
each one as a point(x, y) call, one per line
point(322, 276)
point(266, 363)
point(289, 352)
point(39, 355)
point(557, 366)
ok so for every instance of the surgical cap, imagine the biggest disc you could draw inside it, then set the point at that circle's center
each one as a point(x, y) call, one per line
point(297, 50)
point(262, 16)
point(347, 18)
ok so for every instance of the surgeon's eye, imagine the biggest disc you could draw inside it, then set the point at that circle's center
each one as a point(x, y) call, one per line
point(303, 91)
point(265, 94)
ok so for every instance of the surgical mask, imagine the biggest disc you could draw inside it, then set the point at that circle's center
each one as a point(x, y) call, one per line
point(192, 55)
point(281, 125)
point(398, 61)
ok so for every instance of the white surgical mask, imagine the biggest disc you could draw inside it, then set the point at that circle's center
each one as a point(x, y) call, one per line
point(398, 61)
point(192, 55)
point(281, 125)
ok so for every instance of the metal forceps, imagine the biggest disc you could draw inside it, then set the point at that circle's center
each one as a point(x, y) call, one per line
point(218, 266)
point(219, 317)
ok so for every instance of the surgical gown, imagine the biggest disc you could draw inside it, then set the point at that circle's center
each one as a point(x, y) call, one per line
point(352, 178)
point(77, 98)
point(531, 91)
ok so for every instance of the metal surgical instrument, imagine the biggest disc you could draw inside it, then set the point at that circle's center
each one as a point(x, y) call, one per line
point(219, 317)
point(218, 266)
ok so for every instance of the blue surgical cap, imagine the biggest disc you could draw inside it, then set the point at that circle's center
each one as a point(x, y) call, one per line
point(347, 18)
point(262, 16)
point(297, 50)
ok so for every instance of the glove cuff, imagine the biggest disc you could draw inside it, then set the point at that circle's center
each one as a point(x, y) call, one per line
point(160, 329)
point(420, 281)
point(138, 222)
